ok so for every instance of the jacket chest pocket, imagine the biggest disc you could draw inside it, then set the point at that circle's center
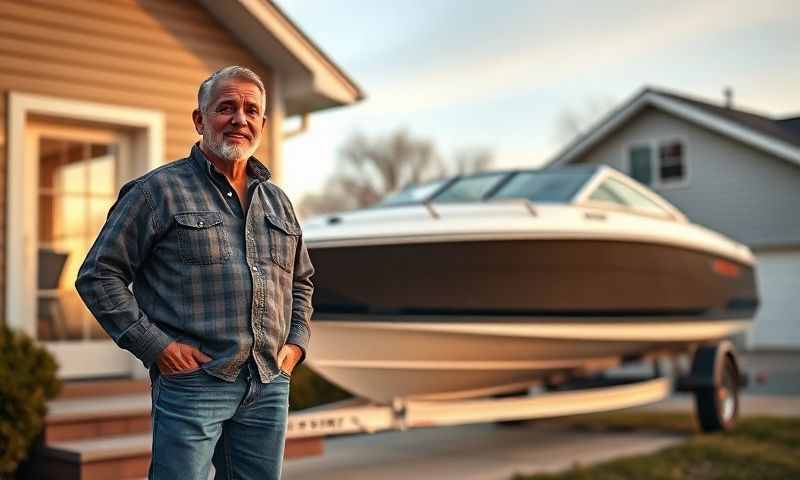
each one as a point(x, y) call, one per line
point(202, 238)
point(283, 237)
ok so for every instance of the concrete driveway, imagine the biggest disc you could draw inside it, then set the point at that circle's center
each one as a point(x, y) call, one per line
point(469, 452)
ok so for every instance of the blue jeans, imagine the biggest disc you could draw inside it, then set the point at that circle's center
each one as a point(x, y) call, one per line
point(198, 418)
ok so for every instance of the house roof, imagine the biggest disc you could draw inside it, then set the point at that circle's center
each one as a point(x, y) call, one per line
point(780, 137)
point(310, 80)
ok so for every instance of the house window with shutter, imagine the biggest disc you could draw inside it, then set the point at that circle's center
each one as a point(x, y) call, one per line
point(658, 163)
point(671, 162)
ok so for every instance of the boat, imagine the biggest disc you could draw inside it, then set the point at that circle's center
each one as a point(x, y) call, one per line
point(479, 284)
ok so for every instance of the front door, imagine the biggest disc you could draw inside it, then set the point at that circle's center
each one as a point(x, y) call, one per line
point(77, 170)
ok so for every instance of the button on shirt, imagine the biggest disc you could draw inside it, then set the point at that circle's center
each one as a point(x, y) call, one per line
point(204, 272)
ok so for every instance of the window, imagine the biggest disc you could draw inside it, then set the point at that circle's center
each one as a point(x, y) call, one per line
point(615, 192)
point(544, 186)
point(470, 189)
point(607, 195)
point(671, 162)
point(413, 194)
point(77, 186)
point(658, 164)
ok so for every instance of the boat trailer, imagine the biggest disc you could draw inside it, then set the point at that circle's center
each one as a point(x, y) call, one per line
point(714, 378)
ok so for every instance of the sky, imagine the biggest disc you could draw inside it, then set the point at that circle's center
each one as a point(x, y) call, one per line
point(499, 74)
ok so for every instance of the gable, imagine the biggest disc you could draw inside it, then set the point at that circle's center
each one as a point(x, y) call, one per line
point(746, 128)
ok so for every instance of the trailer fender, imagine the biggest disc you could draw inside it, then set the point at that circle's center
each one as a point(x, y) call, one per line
point(707, 365)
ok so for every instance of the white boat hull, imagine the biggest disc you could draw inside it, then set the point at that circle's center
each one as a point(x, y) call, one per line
point(386, 360)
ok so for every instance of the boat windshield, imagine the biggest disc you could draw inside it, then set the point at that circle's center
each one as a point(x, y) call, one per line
point(412, 194)
point(470, 189)
point(544, 186)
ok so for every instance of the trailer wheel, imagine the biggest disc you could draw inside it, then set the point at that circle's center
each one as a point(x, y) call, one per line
point(718, 406)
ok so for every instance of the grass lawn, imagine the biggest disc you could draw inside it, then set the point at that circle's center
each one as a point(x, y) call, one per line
point(758, 448)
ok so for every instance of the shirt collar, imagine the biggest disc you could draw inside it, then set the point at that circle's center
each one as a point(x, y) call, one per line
point(255, 169)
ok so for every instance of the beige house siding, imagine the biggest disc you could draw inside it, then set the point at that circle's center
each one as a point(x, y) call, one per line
point(148, 54)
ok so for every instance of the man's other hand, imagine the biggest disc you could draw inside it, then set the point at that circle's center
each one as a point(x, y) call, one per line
point(288, 357)
point(180, 357)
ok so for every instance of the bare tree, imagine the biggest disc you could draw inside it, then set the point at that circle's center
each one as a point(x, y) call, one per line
point(571, 123)
point(369, 169)
point(471, 160)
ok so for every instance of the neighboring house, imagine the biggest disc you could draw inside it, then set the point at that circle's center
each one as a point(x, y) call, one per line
point(95, 93)
point(733, 171)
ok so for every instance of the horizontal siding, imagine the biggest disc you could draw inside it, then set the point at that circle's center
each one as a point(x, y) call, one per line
point(84, 46)
point(149, 54)
point(213, 42)
point(148, 15)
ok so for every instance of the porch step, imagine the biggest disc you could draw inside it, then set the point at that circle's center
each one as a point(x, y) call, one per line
point(102, 388)
point(122, 457)
point(109, 457)
point(108, 435)
point(89, 417)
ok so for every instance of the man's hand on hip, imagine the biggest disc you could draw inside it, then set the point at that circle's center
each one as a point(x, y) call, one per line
point(180, 357)
point(288, 357)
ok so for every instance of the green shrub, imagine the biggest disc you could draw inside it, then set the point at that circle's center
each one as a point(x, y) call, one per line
point(27, 381)
point(309, 390)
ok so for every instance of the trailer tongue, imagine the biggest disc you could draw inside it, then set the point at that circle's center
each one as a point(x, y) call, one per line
point(362, 417)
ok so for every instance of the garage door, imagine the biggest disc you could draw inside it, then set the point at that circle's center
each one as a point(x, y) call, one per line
point(777, 325)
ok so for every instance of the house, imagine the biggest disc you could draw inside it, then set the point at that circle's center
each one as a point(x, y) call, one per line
point(734, 171)
point(95, 93)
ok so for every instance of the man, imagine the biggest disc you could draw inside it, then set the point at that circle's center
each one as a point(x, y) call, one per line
point(221, 299)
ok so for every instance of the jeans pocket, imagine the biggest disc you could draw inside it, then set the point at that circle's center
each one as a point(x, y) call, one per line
point(202, 238)
point(184, 373)
point(285, 374)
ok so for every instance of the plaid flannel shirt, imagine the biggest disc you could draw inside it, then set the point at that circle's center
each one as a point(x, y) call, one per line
point(203, 271)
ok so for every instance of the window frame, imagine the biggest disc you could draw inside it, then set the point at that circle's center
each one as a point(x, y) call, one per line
point(654, 144)
point(503, 178)
point(146, 129)
point(584, 198)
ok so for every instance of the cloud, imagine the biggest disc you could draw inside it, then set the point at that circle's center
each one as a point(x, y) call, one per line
point(575, 51)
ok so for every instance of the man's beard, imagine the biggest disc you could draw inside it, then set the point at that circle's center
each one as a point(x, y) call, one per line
point(229, 152)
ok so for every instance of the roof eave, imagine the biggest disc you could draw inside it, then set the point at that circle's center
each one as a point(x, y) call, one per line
point(310, 80)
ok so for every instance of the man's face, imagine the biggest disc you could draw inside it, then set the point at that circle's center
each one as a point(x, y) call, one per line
point(233, 121)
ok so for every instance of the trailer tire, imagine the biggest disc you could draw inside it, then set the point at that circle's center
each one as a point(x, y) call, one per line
point(718, 406)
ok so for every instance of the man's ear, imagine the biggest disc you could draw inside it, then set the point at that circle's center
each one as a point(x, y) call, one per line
point(197, 118)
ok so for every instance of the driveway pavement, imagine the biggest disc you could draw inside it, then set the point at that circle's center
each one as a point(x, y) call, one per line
point(469, 452)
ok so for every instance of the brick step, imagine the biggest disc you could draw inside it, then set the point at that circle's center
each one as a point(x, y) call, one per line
point(103, 388)
point(122, 457)
point(90, 417)
point(108, 437)
point(110, 457)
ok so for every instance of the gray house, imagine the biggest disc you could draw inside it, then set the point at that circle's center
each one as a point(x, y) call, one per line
point(731, 170)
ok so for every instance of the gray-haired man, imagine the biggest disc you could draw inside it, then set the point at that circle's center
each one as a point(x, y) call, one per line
point(221, 291)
